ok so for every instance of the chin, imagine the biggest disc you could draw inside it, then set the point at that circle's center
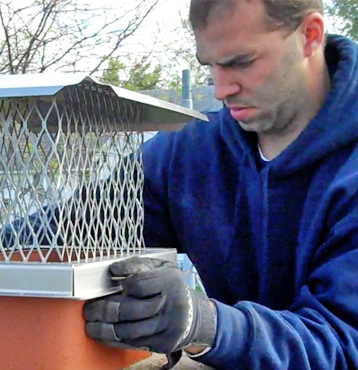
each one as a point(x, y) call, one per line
point(260, 126)
point(250, 126)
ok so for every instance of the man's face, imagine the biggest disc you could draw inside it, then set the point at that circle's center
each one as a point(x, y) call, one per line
point(259, 73)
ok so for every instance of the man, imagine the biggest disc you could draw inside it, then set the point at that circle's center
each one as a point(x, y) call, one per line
point(264, 199)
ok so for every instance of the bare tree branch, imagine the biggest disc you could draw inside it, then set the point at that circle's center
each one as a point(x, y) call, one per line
point(40, 35)
point(47, 11)
point(125, 34)
point(7, 40)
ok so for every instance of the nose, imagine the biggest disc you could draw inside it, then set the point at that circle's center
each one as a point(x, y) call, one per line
point(225, 83)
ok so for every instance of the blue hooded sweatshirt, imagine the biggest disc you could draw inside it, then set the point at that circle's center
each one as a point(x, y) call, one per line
point(276, 246)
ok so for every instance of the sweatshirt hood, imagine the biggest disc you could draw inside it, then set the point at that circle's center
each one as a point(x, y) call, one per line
point(335, 125)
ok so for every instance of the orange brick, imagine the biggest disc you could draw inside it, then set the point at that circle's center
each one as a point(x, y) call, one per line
point(48, 334)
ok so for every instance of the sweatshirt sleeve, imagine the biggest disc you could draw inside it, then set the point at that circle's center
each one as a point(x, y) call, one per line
point(318, 332)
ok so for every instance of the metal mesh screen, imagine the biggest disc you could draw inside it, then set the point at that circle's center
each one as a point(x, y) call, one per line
point(71, 176)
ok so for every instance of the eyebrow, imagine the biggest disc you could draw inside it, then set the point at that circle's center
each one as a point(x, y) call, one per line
point(237, 59)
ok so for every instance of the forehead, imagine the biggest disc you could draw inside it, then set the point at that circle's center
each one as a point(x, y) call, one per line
point(232, 30)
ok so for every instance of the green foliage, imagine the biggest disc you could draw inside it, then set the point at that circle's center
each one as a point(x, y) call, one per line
point(143, 77)
point(345, 13)
point(111, 74)
point(140, 76)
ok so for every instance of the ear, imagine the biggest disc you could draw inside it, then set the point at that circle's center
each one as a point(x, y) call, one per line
point(313, 32)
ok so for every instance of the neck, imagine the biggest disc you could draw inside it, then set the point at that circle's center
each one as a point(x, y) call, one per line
point(319, 85)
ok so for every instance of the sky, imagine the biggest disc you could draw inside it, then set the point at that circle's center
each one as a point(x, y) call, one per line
point(162, 27)
point(167, 16)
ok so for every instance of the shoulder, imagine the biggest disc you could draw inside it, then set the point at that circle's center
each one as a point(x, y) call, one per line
point(346, 174)
point(341, 196)
point(195, 134)
point(189, 151)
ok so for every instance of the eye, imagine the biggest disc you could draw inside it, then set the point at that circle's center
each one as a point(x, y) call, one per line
point(242, 64)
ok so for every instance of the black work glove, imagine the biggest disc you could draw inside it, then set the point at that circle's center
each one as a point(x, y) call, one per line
point(156, 310)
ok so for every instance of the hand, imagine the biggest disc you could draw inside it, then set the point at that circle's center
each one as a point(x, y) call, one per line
point(156, 311)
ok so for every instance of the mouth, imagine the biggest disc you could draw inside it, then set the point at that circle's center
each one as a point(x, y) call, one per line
point(241, 113)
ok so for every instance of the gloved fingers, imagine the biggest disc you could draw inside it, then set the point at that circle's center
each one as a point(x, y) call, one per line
point(101, 310)
point(117, 308)
point(137, 264)
point(102, 331)
point(146, 284)
point(154, 343)
point(136, 309)
point(153, 282)
point(129, 331)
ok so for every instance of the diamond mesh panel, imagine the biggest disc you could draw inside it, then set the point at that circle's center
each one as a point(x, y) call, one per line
point(71, 177)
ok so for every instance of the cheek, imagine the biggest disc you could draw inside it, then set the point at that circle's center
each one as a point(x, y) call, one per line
point(260, 78)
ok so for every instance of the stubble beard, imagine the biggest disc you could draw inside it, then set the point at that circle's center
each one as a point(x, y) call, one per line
point(282, 102)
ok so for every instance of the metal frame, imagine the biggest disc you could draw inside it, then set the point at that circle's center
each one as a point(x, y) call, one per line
point(79, 281)
point(156, 114)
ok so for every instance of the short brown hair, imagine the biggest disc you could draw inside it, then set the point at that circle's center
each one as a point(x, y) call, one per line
point(287, 14)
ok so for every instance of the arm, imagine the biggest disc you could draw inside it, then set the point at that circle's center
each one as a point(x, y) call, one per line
point(318, 332)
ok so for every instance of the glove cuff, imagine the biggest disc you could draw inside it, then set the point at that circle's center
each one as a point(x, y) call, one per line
point(204, 321)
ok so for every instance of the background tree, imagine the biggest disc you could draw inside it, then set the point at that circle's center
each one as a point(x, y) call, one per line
point(66, 35)
point(181, 53)
point(141, 75)
point(345, 16)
